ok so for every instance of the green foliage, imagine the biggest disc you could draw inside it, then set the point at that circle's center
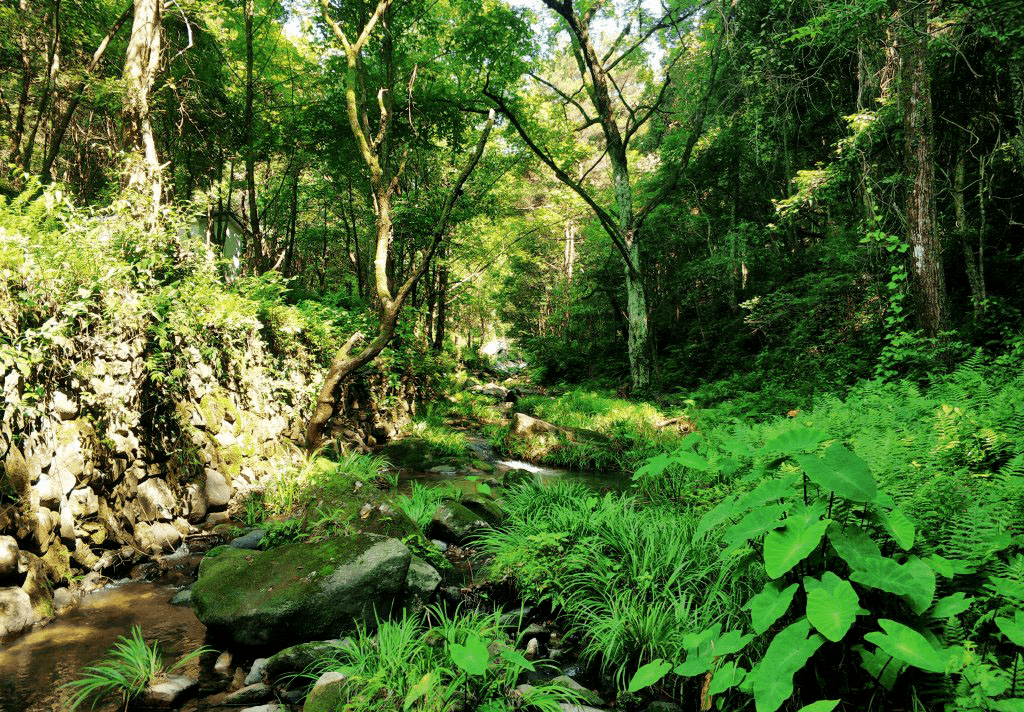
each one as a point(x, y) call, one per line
point(422, 501)
point(126, 671)
point(454, 658)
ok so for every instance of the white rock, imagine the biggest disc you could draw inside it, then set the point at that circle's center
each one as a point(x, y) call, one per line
point(223, 664)
point(157, 538)
point(67, 522)
point(218, 491)
point(8, 557)
point(166, 692)
point(156, 500)
point(84, 503)
point(64, 406)
point(15, 611)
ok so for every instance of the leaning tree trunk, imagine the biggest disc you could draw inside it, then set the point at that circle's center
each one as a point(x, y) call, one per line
point(928, 285)
point(140, 67)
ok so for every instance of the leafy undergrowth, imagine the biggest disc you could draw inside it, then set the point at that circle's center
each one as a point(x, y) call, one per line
point(464, 660)
point(325, 497)
point(866, 552)
point(610, 433)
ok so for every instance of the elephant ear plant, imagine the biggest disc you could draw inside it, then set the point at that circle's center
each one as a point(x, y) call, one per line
point(843, 585)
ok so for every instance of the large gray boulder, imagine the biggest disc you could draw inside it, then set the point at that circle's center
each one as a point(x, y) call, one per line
point(455, 523)
point(300, 592)
point(15, 612)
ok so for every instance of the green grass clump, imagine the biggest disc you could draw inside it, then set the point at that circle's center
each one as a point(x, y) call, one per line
point(431, 426)
point(631, 578)
point(129, 667)
point(421, 502)
point(462, 660)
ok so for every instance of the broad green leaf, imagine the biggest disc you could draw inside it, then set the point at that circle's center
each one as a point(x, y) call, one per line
point(721, 512)
point(654, 466)
point(916, 581)
point(832, 606)
point(703, 648)
point(516, 658)
point(842, 472)
point(788, 652)
point(952, 605)
point(755, 524)
point(773, 489)
point(785, 548)
point(471, 657)
point(649, 674)
point(900, 528)
point(820, 706)
point(923, 592)
point(853, 546)
point(420, 689)
point(906, 644)
point(1014, 705)
point(1013, 628)
point(882, 666)
point(1007, 588)
point(483, 488)
point(941, 565)
point(725, 677)
point(770, 605)
point(794, 440)
point(690, 459)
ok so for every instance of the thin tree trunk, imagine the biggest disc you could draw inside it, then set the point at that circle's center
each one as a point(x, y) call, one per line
point(250, 150)
point(52, 70)
point(928, 283)
point(140, 67)
point(442, 307)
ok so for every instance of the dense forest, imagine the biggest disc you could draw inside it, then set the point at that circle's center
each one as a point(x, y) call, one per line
point(760, 256)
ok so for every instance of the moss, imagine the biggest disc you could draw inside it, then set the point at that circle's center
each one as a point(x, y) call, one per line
point(215, 408)
point(230, 460)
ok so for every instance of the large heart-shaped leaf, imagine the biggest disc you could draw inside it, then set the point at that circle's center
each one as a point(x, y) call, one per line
point(702, 649)
point(754, 524)
point(649, 674)
point(788, 652)
point(882, 666)
point(420, 689)
point(1013, 628)
point(853, 545)
point(725, 677)
point(952, 605)
point(720, 513)
point(770, 605)
point(915, 580)
point(785, 548)
point(820, 706)
point(899, 526)
point(471, 657)
point(773, 489)
point(906, 644)
point(842, 472)
point(832, 605)
point(794, 440)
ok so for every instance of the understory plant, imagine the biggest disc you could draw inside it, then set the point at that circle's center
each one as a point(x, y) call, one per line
point(465, 658)
point(130, 665)
point(847, 587)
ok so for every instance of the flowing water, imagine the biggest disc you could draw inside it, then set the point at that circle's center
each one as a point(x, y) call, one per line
point(597, 481)
point(33, 667)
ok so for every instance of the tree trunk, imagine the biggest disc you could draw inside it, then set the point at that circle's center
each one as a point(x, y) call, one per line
point(140, 67)
point(928, 283)
point(442, 307)
point(250, 150)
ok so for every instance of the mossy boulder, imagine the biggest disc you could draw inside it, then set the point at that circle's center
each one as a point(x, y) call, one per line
point(291, 661)
point(484, 507)
point(300, 592)
point(516, 477)
point(455, 523)
point(329, 694)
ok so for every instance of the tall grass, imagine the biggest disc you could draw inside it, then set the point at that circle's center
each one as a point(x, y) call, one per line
point(126, 671)
point(421, 502)
point(630, 578)
point(429, 668)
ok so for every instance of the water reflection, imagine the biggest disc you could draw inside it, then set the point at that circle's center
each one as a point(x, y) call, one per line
point(33, 667)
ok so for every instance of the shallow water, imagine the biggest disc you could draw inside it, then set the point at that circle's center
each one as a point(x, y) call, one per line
point(545, 476)
point(33, 667)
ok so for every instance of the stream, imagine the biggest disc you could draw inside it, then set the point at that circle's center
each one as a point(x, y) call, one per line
point(35, 666)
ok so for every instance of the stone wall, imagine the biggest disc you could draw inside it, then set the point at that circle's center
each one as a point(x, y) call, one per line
point(110, 466)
